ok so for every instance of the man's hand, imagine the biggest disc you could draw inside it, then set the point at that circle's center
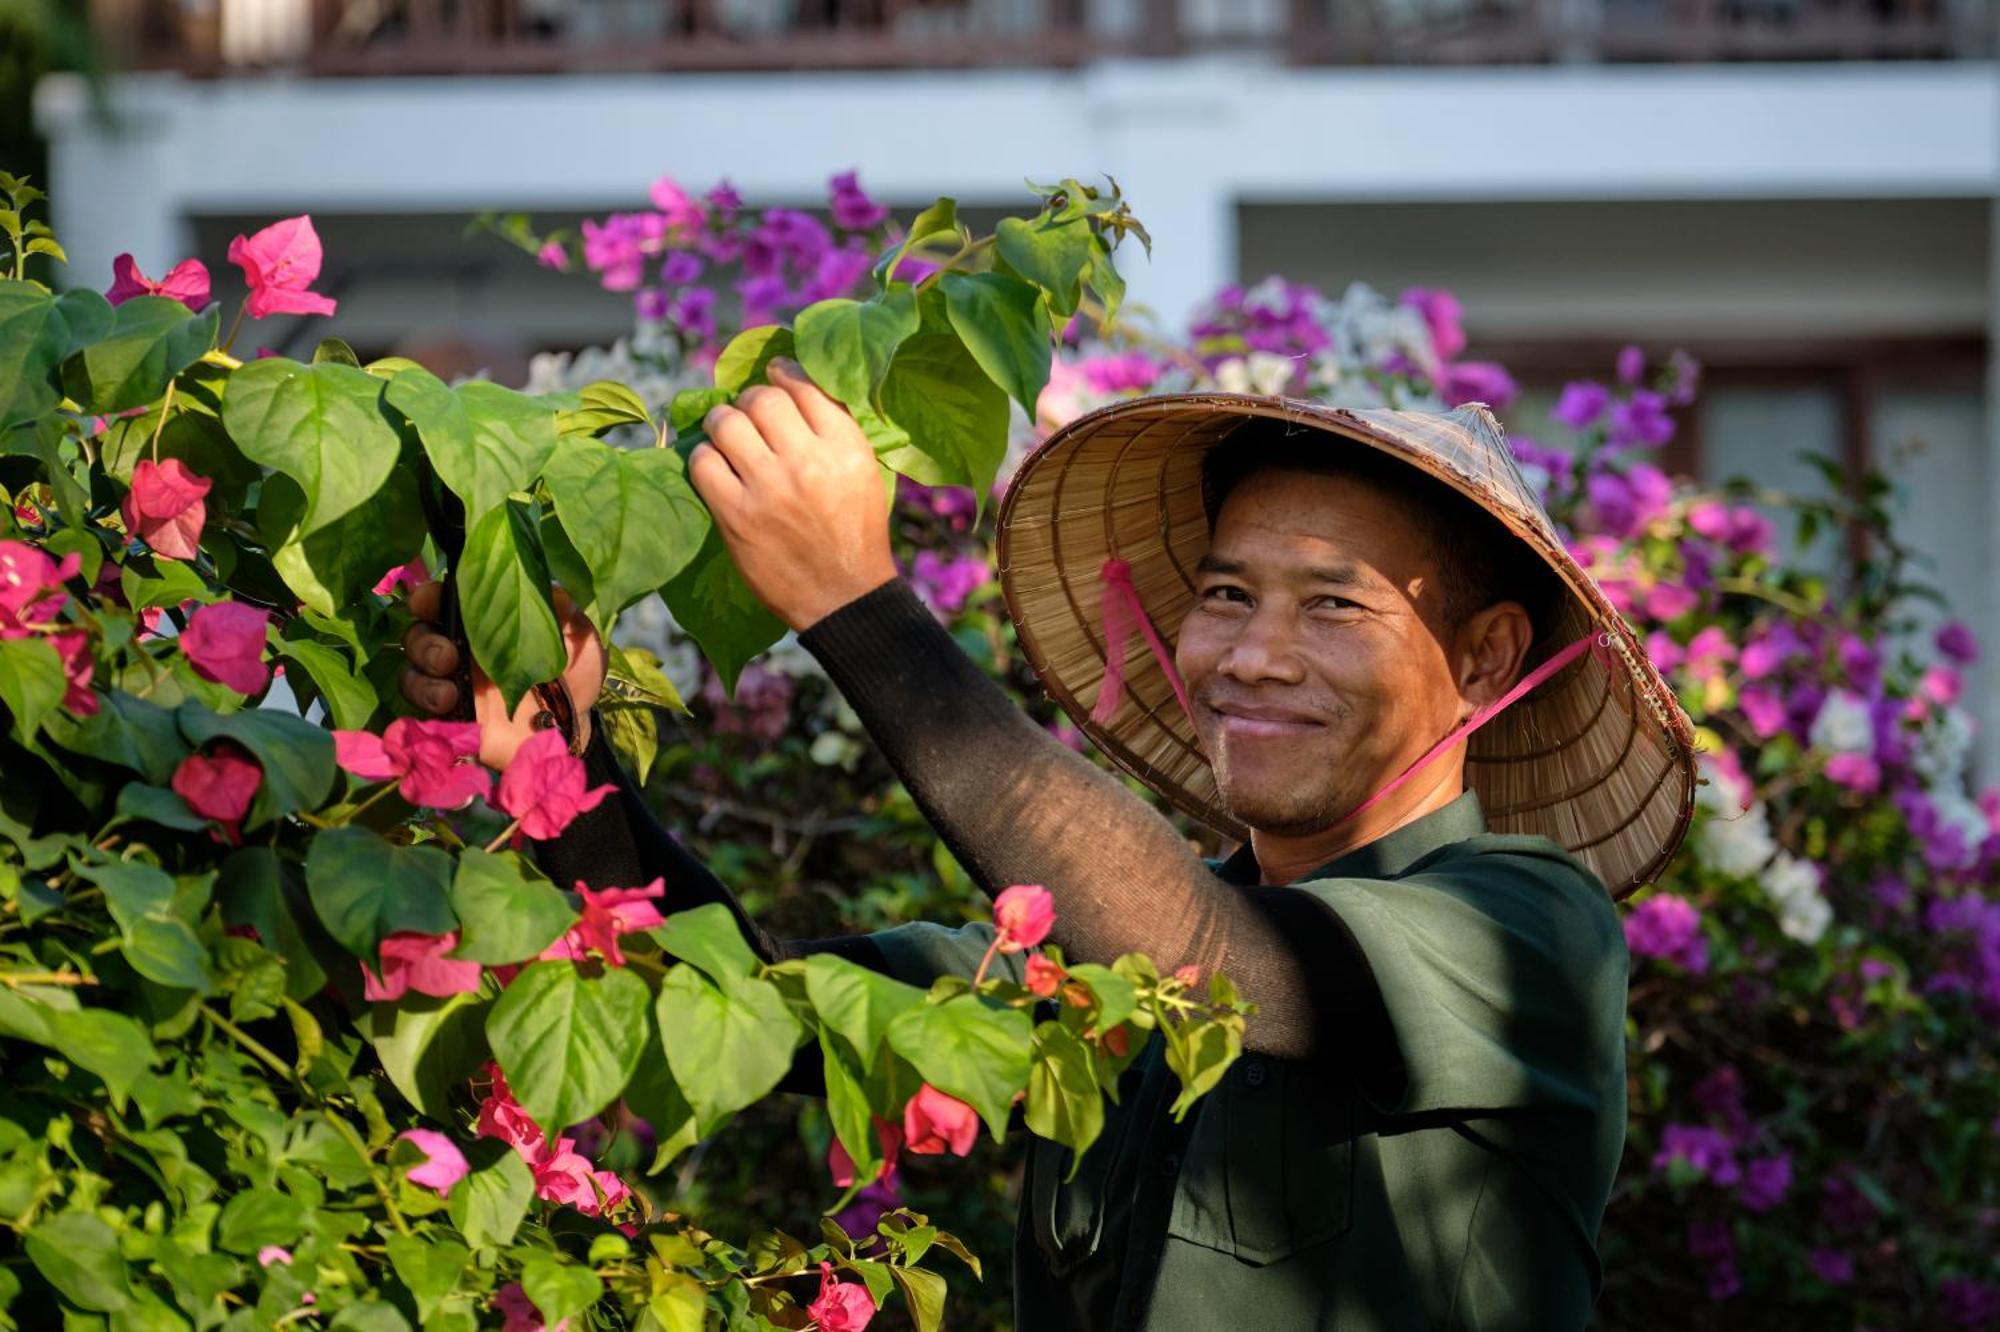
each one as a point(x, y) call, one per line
point(428, 683)
point(798, 496)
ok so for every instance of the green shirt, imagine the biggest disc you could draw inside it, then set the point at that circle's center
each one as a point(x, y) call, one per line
point(1461, 1190)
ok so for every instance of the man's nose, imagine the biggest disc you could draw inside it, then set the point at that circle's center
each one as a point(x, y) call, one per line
point(1263, 652)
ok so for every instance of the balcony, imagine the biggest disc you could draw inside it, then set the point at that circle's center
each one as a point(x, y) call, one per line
point(209, 38)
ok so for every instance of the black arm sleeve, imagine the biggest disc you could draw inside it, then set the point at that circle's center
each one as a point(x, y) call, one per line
point(1017, 806)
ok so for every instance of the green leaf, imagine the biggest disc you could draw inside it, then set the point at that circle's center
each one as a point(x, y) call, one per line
point(163, 948)
point(603, 406)
point(655, 1097)
point(485, 441)
point(369, 1316)
point(321, 425)
point(847, 1106)
point(34, 339)
point(43, 245)
point(857, 1003)
point(126, 730)
point(86, 314)
point(708, 937)
point(965, 1048)
point(635, 677)
point(845, 346)
point(559, 1290)
point(680, 1304)
point(131, 888)
point(156, 804)
point(334, 351)
point(503, 586)
point(256, 1217)
point(505, 913)
point(111, 1045)
point(170, 583)
point(727, 1049)
point(747, 358)
point(297, 756)
point(252, 891)
point(1064, 1104)
point(1106, 283)
point(429, 1266)
point(31, 683)
point(429, 1046)
point(634, 737)
point(955, 416)
point(568, 1042)
point(691, 407)
point(1001, 321)
point(710, 600)
point(1117, 998)
point(1199, 1054)
point(78, 1254)
point(488, 1204)
point(1048, 253)
point(348, 697)
point(936, 222)
point(332, 569)
point(925, 1291)
point(364, 888)
point(151, 339)
point(630, 513)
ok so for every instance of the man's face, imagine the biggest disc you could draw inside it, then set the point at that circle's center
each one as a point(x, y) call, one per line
point(1314, 652)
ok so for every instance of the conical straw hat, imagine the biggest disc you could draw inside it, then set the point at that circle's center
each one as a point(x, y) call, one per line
point(1599, 759)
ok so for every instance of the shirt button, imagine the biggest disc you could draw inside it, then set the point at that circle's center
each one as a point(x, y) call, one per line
point(1169, 1166)
point(1254, 1073)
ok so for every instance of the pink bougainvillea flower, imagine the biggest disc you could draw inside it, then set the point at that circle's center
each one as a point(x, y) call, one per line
point(403, 575)
point(224, 642)
point(279, 263)
point(565, 1176)
point(165, 509)
point(78, 666)
point(553, 254)
point(608, 913)
point(186, 282)
point(431, 760)
point(31, 586)
point(1043, 976)
point(934, 1123)
point(418, 962)
point(502, 1117)
point(520, 1312)
point(219, 784)
point(1442, 316)
point(1022, 916)
point(842, 1306)
point(273, 1253)
point(1857, 772)
point(545, 786)
point(841, 1166)
point(613, 1191)
point(446, 1165)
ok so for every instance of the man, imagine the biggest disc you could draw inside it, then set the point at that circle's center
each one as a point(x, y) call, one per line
point(1425, 1125)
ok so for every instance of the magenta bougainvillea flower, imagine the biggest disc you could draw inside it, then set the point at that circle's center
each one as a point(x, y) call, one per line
point(608, 913)
point(219, 784)
point(280, 263)
point(1668, 927)
point(224, 642)
point(31, 587)
point(545, 786)
point(1443, 315)
point(165, 508)
point(418, 962)
point(842, 1306)
point(403, 575)
point(934, 1123)
point(1022, 916)
point(431, 761)
point(273, 1253)
point(520, 1313)
point(186, 282)
point(78, 666)
point(446, 1166)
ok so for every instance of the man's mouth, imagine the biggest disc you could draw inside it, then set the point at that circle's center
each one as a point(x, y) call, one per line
point(1253, 721)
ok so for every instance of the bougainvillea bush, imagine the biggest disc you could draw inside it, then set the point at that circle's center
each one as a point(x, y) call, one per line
point(296, 1033)
point(1815, 1091)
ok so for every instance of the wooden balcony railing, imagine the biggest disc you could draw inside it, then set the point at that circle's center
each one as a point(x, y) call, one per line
point(392, 37)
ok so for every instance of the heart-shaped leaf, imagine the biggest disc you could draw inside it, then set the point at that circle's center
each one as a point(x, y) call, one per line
point(568, 1042)
point(322, 425)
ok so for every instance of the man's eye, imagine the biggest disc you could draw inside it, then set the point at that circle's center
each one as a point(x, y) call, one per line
point(1226, 593)
point(1335, 604)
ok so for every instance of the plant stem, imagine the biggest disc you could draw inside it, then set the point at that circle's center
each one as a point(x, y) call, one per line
point(369, 803)
point(14, 980)
point(381, 1189)
point(234, 328)
point(166, 407)
point(501, 840)
point(986, 961)
point(965, 252)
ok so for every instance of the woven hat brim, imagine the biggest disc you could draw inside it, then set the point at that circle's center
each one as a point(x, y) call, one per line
point(1599, 759)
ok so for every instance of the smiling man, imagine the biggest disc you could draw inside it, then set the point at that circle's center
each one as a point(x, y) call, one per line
point(1425, 1125)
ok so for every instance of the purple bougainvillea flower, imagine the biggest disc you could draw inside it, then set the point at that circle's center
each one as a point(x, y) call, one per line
point(446, 1166)
point(850, 205)
point(280, 263)
point(681, 267)
point(224, 642)
point(545, 786)
point(165, 508)
point(1640, 421)
point(1833, 1266)
point(1626, 501)
point(418, 962)
point(1582, 404)
point(1766, 1181)
point(1706, 1149)
point(1631, 364)
point(1956, 641)
point(1668, 927)
point(186, 282)
point(1478, 381)
point(1442, 315)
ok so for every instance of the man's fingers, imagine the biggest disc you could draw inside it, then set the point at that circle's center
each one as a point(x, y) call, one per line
point(714, 480)
point(427, 600)
point(772, 410)
point(434, 696)
point(828, 419)
point(736, 437)
point(430, 651)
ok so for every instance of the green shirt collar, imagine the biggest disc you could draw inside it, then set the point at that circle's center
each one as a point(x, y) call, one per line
point(1388, 856)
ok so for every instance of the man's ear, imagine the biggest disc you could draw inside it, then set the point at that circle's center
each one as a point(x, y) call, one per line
point(1492, 645)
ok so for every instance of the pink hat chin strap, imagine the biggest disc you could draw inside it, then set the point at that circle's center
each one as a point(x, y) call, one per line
point(1124, 615)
